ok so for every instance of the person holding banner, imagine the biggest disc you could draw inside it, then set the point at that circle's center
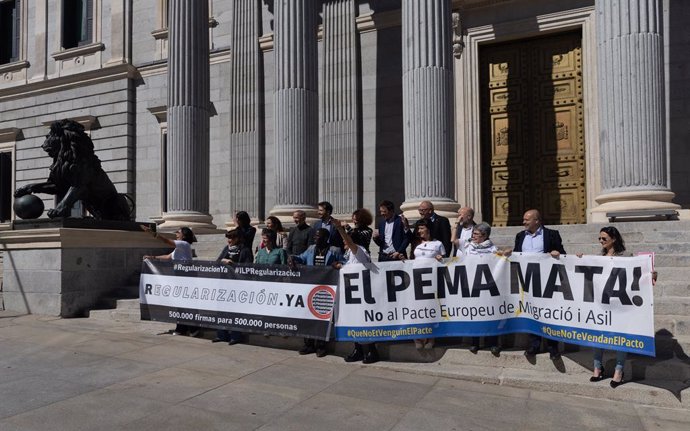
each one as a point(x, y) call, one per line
point(438, 225)
point(270, 253)
point(481, 244)
point(612, 244)
point(235, 252)
point(184, 238)
point(318, 254)
point(357, 253)
point(428, 248)
point(538, 239)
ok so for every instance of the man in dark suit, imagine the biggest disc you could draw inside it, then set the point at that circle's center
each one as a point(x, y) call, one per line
point(326, 222)
point(391, 236)
point(440, 226)
point(538, 239)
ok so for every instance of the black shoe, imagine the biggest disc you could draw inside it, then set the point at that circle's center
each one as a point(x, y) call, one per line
point(474, 349)
point(554, 355)
point(598, 378)
point(234, 341)
point(495, 350)
point(321, 352)
point(531, 351)
point(371, 356)
point(356, 355)
point(307, 349)
point(615, 384)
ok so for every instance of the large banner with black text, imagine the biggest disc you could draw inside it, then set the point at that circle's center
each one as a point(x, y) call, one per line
point(263, 299)
point(594, 301)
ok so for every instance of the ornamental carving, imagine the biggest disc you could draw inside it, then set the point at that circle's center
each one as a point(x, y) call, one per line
point(458, 44)
point(502, 137)
point(561, 131)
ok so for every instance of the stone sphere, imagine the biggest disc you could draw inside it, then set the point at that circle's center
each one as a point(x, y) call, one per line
point(28, 207)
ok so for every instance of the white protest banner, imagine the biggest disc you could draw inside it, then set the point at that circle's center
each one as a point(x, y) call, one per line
point(593, 301)
point(250, 298)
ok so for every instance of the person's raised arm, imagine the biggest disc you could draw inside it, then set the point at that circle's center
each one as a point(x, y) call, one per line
point(347, 239)
point(168, 241)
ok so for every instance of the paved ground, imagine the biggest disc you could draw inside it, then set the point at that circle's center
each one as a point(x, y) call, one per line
point(83, 374)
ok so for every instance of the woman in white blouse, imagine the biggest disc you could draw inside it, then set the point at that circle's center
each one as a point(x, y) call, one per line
point(428, 248)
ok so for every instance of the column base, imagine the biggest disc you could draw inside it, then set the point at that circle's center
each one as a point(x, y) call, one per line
point(200, 223)
point(284, 212)
point(445, 207)
point(631, 201)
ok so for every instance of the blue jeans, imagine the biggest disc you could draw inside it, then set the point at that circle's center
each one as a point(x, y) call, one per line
point(599, 355)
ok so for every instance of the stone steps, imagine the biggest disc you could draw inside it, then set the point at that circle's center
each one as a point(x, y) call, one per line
point(658, 381)
point(126, 310)
point(673, 305)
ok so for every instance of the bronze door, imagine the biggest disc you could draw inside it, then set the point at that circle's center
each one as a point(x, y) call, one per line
point(533, 131)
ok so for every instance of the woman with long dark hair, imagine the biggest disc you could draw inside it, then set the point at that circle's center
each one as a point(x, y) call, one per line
point(612, 244)
point(273, 223)
point(244, 224)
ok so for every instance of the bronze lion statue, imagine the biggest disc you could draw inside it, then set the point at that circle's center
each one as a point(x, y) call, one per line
point(76, 174)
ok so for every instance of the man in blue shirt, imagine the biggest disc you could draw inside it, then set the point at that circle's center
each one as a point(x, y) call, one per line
point(538, 239)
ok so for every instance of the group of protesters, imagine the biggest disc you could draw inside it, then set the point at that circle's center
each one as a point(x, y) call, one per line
point(333, 242)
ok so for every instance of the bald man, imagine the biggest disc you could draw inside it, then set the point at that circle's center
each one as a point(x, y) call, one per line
point(538, 239)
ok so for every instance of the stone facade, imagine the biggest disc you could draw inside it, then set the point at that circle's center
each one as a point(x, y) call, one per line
point(116, 83)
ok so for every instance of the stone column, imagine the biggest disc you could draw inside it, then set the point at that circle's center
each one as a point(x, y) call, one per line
point(634, 155)
point(246, 139)
point(341, 152)
point(188, 117)
point(428, 106)
point(295, 100)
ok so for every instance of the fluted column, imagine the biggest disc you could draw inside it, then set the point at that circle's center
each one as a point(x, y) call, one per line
point(340, 152)
point(634, 157)
point(428, 105)
point(188, 116)
point(295, 101)
point(246, 139)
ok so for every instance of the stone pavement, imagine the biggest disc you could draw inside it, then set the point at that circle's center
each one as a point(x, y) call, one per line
point(84, 374)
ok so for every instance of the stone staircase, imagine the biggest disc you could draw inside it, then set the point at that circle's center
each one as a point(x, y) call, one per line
point(663, 380)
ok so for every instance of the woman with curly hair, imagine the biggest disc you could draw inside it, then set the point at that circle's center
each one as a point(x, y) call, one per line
point(361, 233)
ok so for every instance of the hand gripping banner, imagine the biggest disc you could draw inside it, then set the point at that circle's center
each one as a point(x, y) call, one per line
point(262, 299)
point(593, 301)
